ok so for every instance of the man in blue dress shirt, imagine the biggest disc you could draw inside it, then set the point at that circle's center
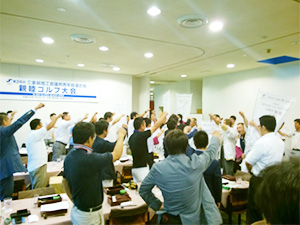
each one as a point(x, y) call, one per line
point(10, 160)
point(187, 200)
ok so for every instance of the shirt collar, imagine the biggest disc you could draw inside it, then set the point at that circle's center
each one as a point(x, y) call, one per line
point(79, 146)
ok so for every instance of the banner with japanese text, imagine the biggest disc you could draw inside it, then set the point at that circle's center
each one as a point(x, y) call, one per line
point(184, 104)
point(274, 105)
point(49, 90)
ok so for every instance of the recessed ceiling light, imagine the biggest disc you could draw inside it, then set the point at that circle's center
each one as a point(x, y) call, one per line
point(152, 82)
point(115, 68)
point(230, 66)
point(39, 60)
point(47, 40)
point(154, 11)
point(216, 26)
point(183, 75)
point(61, 9)
point(151, 89)
point(80, 64)
point(103, 48)
point(148, 55)
point(192, 21)
point(82, 39)
point(151, 93)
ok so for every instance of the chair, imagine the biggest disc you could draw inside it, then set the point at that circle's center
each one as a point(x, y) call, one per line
point(134, 216)
point(19, 185)
point(237, 202)
point(39, 191)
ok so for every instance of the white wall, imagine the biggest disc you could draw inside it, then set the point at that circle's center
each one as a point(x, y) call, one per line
point(182, 87)
point(140, 94)
point(111, 90)
point(230, 93)
point(196, 89)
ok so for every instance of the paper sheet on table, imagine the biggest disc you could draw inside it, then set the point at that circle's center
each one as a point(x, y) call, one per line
point(55, 206)
point(224, 181)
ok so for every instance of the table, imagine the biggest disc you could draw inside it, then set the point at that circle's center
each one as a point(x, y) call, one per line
point(119, 165)
point(232, 184)
point(53, 169)
point(28, 203)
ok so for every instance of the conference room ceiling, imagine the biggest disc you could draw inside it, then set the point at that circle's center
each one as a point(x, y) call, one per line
point(253, 30)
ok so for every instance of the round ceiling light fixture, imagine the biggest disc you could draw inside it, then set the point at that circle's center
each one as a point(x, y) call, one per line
point(39, 60)
point(82, 39)
point(230, 65)
point(148, 54)
point(103, 48)
point(154, 11)
point(47, 40)
point(192, 21)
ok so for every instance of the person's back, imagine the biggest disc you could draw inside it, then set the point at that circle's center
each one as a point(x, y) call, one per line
point(82, 175)
point(212, 175)
point(83, 172)
point(180, 178)
point(36, 149)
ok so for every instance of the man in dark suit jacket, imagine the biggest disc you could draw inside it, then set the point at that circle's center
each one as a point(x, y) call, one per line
point(212, 175)
point(10, 160)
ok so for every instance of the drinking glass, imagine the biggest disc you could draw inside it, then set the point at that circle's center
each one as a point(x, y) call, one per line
point(7, 204)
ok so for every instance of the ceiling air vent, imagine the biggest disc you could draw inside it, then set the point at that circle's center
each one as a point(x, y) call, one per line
point(192, 21)
point(82, 39)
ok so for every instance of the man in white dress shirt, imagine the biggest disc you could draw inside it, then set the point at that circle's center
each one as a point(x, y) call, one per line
point(229, 135)
point(295, 139)
point(49, 138)
point(37, 152)
point(63, 135)
point(267, 151)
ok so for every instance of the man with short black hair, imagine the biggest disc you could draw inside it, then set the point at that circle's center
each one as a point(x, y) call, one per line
point(278, 194)
point(10, 159)
point(233, 119)
point(37, 152)
point(63, 135)
point(212, 175)
point(133, 116)
point(113, 126)
point(268, 150)
point(187, 200)
point(108, 116)
point(139, 148)
point(101, 146)
point(82, 172)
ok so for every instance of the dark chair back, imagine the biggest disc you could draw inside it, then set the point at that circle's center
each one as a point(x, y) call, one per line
point(134, 216)
point(238, 200)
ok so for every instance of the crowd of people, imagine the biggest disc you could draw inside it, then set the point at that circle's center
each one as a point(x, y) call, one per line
point(189, 174)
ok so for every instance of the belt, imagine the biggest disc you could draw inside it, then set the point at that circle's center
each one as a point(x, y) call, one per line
point(61, 143)
point(93, 209)
point(295, 149)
